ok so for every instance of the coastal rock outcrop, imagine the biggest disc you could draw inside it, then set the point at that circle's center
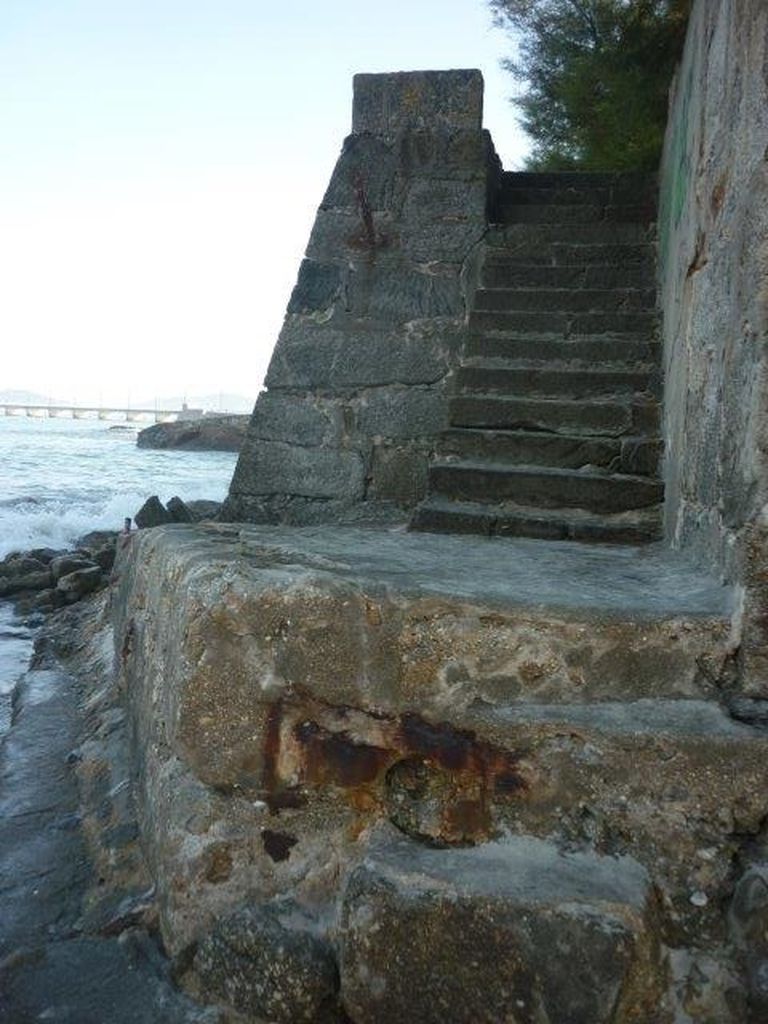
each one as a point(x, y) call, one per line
point(207, 433)
point(43, 580)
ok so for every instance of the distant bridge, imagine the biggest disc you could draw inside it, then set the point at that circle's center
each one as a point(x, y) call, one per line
point(101, 412)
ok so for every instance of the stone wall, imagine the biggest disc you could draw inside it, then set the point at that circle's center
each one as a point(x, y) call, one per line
point(714, 262)
point(357, 385)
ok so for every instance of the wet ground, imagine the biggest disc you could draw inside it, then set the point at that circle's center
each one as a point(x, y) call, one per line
point(15, 652)
point(54, 965)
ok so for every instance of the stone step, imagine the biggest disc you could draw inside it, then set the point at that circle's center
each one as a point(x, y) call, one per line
point(544, 486)
point(440, 515)
point(467, 935)
point(580, 193)
point(563, 324)
point(536, 236)
point(570, 300)
point(554, 381)
point(501, 273)
point(612, 418)
point(509, 211)
point(638, 456)
point(621, 350)
point(572, 253)
point(624, 181)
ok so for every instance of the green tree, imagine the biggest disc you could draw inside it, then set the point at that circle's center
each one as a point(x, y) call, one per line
point(596, 75)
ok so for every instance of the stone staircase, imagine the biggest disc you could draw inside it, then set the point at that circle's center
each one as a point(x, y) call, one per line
point(554, 423)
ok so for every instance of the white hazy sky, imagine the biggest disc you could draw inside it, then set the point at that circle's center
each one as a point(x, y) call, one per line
point(160, 166)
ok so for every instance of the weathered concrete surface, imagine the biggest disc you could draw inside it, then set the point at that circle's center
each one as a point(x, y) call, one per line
point(714, 260)
point(358, 381)
point(291, 688)
point(513, 930)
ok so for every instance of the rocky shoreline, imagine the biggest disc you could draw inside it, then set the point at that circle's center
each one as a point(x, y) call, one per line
point(43, 580)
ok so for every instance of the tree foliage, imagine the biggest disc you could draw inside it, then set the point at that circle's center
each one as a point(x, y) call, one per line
point(596, 74)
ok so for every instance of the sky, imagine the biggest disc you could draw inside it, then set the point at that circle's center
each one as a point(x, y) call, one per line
point(161, 162)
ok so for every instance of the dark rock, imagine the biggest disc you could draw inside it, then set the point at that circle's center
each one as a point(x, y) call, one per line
point(469, 936)
point(278, 844)
point(105, 557)
point(203, 508)
point(48, 600)
point(178, 511)
point(20, 565)
point(77, 584)
point(152, 513)
point(209, 433)
point(749, 931)
point(39, 580)
point(65, 564)
point(43, 555)
point(96, 540)
point(267, 961)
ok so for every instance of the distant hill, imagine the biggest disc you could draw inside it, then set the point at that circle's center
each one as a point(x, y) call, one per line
point(217, 402)
point(29, 398)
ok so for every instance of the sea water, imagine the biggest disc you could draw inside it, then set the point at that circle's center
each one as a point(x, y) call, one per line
point(60, 478)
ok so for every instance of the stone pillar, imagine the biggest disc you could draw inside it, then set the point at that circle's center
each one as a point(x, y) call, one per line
point(358, 382)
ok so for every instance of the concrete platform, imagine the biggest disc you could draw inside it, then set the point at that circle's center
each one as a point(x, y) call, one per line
point(645, 582)
point(292, 688)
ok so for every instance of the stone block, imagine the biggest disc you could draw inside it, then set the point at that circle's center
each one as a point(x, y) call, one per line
point(398, 292)
point(318, 287)
point(514, 930)
point(387, 104)
point(298, 420)
point(460, 155)
point(264, 963)
point(399, 474)
point(274, 467)
point(443, 220)
point(358, 353)
point(367, 167)
point(402, 412)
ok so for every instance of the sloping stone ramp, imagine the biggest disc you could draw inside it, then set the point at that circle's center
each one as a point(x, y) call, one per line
point(554, 423)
